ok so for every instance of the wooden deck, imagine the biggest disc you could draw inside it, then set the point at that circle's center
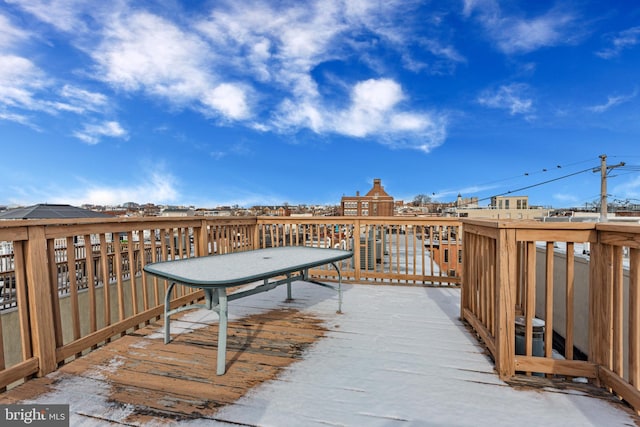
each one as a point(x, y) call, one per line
point(154, 381)
point(397, 356)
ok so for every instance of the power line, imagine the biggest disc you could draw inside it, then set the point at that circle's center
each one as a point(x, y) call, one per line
point(622, 166)
point(536, 172)
point(629, 168)
point(538, 184)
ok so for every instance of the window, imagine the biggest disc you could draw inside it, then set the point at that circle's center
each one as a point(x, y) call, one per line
point(446, 255)
point(459, 256)
point(506, 204)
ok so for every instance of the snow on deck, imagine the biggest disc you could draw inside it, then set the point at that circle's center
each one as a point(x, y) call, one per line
point(397, 356)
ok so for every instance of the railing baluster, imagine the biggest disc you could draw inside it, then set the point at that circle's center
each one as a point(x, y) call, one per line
point(634, 317)
point(104, 266)
point(90, 277)
point(618, 315)
point(56, 289)
point(118, 261)
point(132, 272)
point(569, 306)
point(142, 256)
point(548, 302)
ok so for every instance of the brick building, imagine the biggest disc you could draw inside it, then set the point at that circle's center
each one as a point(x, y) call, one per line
point(375, 203)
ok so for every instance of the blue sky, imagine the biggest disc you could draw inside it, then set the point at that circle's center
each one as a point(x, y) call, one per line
point(212, 103)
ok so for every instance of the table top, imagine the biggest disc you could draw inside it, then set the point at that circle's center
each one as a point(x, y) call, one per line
point(244, 267)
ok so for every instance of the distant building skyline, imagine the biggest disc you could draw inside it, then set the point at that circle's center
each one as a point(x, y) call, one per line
point(377, 202)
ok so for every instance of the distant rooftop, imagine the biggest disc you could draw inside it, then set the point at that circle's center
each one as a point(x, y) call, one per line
point(45, 211)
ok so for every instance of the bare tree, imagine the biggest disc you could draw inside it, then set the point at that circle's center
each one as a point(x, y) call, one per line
point(421, 200)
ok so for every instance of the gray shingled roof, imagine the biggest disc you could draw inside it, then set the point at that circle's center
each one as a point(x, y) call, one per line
point(44, 211)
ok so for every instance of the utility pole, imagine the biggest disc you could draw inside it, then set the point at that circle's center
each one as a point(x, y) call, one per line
point(604, 170)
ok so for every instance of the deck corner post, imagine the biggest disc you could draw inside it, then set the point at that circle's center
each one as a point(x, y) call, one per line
point(600, 305)
point(506, 280)
point(40, 300)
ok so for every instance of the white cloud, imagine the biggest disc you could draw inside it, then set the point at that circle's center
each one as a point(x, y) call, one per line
point(229, 99)
point(246, 60)
point(612, 101)
point(626, 39)
point(628, 190)
point(513, 97)
point(279, 45)
point(149, 53)
point(84, 100)
point(283, 45)
point(144, 51)
point(65, 15)
point(26, 87)
point(486, 6)
point(19, 80)
point(445, 51)
point(516, 35)
point(9, 33)
point(92, 133)
point(372, 104)
point(299, 114)
point(521, 36)
point(374, 111)
point(155, 185)
point(13, 117)
point(158, 187)
point(22, 84)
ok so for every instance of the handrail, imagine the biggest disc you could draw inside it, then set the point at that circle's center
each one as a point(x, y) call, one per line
point(75, 284)
point(535, 271)
point(84, 277)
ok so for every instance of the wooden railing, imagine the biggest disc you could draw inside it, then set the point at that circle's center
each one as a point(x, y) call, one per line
point(505, 284)
point(69, 286)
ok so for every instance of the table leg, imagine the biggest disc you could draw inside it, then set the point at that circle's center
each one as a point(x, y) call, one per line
point(339, 287)
point(289, 297)
point(209, 298)
point(167, 304)
point(222, 330)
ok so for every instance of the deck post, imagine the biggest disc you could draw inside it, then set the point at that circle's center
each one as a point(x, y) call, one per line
point(40, 300)
point(466, 259)
point(506, 280)
point(356, 250)
point(634, 317)
point(200, 239)
point(600, 305)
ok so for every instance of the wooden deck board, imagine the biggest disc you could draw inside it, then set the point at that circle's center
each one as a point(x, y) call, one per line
point(178, 381)
point(306, 365)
